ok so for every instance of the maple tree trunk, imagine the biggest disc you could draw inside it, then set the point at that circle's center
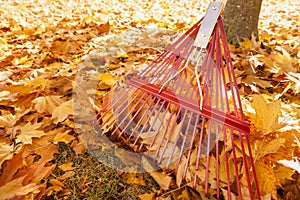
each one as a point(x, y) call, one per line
point(241, 19)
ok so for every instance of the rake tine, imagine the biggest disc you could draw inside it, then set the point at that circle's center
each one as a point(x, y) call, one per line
point(150, 127)
point(117, 110)
point(162, 137)
point(176, 140)
point(199, 150)
point(183, 143)
point(253, 168)
point(190, 147)
point(168, 137)
point(235, 164)
point(137, 112)
point(127, 115)
point(147, 120)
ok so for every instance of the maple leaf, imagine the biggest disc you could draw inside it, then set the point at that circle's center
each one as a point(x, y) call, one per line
point(293, 164)
point(11, 167)
point(16, 188)
point(6, 152)
point(61, 112)
point(47, 104)
point(29, 131)
point(266, 117)
point(264, 172)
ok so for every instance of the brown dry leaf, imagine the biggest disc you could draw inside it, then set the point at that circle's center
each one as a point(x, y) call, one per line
point(61, 112)
point(56, 185)
point(66, 175)
point(254, 80)
point(232, 196)
point(270, 147)
point(180, 172)
point(29, 131)
point(78, 147)
point(16, 188)
point(11, 167)
point(66, 166)
point(65, 47)
point(146, 196)
point(126, 158)
point(184, 195)
point(134, 178)
point(161, 178)
point(266, 117)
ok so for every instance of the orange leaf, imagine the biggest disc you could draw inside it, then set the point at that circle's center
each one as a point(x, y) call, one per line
point(66, 166)
point(61, 112)
point(29, 131)
point(16, 188)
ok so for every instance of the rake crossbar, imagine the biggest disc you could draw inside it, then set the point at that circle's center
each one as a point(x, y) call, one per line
point(208, 112)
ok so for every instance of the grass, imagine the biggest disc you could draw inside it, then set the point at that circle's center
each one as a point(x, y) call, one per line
point(94, 180)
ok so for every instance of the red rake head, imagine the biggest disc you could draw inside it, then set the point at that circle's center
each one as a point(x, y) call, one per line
point(164, 118)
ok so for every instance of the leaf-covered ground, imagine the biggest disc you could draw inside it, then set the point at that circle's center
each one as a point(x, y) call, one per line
point(43, 45)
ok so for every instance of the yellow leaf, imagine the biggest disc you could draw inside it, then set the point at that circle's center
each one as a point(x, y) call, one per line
point(66, 166)
point(108, 79)
point(265, 172)
point(122, 54)
point(292, 164)
point(246, 43)
point(47, 104)
point(29, 131)
point(23, 60)
point(63, 137)
point(16, 188)
point(266, 117)
point(61, 112)
point(270, 147)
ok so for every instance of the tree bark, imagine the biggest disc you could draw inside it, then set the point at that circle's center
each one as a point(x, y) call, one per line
point(241, 19)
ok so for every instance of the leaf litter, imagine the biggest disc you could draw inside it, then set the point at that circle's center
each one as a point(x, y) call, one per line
point(42, 47)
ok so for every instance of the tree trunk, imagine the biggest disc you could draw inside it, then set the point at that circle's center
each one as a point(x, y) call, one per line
point(241, 19)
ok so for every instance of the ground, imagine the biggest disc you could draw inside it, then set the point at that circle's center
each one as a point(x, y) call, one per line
point(43, 46)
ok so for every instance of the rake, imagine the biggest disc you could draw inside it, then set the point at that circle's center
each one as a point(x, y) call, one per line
point(186, 103)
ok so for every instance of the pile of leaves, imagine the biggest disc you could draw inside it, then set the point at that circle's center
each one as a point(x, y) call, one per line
point(42, 48)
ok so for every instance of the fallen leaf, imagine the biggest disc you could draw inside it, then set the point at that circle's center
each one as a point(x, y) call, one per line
point(265, 172)
point(63, 137)
point(161, 178)
point(15, 188)
point(66, 166)
point(146, 196)
point(29, 131)
point(134, 178)
point(6, 152)
point(61, 112)
point(266, 117)
point(293, 164)
point(47, 103)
